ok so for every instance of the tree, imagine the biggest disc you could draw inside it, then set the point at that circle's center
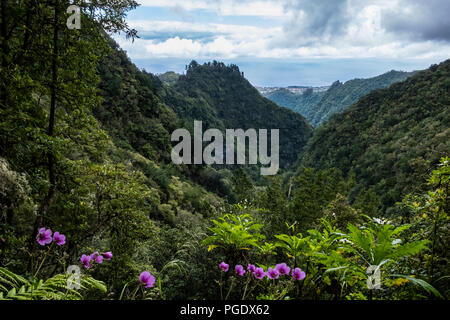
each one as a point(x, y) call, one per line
point(49, 87)
point(242, 186)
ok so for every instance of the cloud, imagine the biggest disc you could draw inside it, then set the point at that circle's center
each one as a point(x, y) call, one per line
point(164, 39)
point(419, 20)
point(338, 20)
point(331, 21)
point(299, 29)
point(182, 13)
point(316, 19)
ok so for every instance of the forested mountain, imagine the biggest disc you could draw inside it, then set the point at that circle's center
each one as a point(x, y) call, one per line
point(135, 116)
point(342, 95)
point(317, 107)
point(131, 111)
point(169, 77)
point(390, 137)
point(222, 98)
point(304, 103)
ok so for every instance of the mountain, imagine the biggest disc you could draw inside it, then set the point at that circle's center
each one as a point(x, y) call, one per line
point(304, 103)
point(140, 125)
point(131, 112)
point(169, 77)
point(342, 95)
point(222, 98)
point(389, 137)
point(317, 107)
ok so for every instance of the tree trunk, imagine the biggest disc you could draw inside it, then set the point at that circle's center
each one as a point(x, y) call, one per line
point(45, 205)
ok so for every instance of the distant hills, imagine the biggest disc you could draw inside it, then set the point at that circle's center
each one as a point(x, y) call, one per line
point(390, 137)
point(318, 105)
point(296, 90)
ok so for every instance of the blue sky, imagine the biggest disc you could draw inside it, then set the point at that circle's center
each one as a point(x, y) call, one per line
point(291, 42)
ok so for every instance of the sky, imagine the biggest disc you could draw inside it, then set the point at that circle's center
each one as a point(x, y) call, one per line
point(291, 42)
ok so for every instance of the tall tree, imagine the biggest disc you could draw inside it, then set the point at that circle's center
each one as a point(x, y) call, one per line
point(49, 86)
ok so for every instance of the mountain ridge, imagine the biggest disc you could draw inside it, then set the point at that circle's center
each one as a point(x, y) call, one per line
point(390, 136)
point(317, 107)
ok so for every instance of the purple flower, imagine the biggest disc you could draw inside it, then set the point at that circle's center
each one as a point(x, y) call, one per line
point(108, 255)
point(282, 269)
point(298, 274)
point(99, 259)
point(251, 268)
point(240, 270)
point(85, 260)
point(259, 273)
point(94, 255)
point(44, 236)
point(272, 273)
point(224, 267)
point(146, 278)
point(59, 238)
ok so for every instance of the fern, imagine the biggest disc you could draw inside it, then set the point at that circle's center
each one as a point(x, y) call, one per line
point(16, 287)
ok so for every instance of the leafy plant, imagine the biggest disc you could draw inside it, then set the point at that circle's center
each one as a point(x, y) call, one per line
point(237, 232)
point(378, 243)
point(16, 287)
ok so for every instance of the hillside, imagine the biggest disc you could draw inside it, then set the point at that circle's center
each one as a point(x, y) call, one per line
point(131, 111)
point(222, 98)
point(304, 103)
point(139, 122)
point(317, 107)
point(342, 95)
point(389, 137)
point(169, 77)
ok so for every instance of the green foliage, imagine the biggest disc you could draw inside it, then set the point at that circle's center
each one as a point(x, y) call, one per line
point(428, 213)
point(390, 137)
point(16, 287)
point(275, 203)
point(368, 202)
point(378, 242)
point(234, 233)
point(242, 186)
point(132, 112)
point(294, 245)
point(339, 212)
point(312, 191)
point(340, 96)
point(169, 78)
point(304, 103)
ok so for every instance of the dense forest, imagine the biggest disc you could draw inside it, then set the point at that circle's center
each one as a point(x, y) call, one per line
point(318, 107)
point(92, 207)
point(390, 137)
point(304, 103)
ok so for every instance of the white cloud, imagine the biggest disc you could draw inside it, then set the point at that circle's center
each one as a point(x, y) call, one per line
point(360, 34)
